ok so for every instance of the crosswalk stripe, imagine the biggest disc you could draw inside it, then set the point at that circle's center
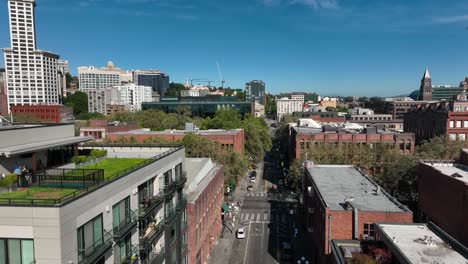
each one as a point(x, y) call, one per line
point(258, 217)
point(253, 217)
point(265, 216)
point(246, 217)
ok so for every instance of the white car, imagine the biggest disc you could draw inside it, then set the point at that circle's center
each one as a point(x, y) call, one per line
point(241, 233)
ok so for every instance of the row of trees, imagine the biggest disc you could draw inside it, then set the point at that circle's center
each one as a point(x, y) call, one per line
point(256, 136)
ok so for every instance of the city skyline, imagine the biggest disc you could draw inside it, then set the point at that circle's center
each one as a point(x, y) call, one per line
point(325, 46)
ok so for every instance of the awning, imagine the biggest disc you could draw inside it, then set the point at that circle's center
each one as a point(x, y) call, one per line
point(36, 146)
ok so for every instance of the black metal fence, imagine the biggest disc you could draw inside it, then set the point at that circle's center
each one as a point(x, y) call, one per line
point(69, 178)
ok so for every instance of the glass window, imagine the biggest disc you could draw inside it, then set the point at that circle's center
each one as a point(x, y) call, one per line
point(451, 124)
point(14, 251)
point(27, 251)
point(453, 136)
point(90, 236)
point(465, 124)
point(2, 252)
point(461, 137)
point(120, 212)
point(458, 124)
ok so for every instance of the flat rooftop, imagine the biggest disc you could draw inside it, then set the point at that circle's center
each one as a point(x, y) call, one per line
point(454, 170)
point(200, 172)
point(416, 243)
point(179, 132)
point(339, 182)
point(344, 130)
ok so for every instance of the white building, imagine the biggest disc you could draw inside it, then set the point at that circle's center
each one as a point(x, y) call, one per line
point(100, 78)
point(132, 95)
point(31, 73)
point(297, 97)
point(286, 106)
point(196, 91)
point(63, 64)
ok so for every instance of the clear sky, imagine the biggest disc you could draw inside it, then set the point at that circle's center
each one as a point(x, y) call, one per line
point(334, 47)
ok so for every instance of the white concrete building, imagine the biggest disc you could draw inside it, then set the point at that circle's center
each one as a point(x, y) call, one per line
point(286, 106)
point(196, 91)
point(132, 95)
point(31, 73)
point(297, 97)
point(63, 64)
point(91, 77)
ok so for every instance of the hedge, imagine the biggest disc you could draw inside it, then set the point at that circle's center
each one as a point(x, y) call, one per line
point(8, 180)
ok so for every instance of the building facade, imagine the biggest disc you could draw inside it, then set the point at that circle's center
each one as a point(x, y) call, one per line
point(442, 195)
point(398, 109)
point(3, 96)
point(62, 69)
point(286, 106)
point(201, 106)
point(439, 119)
point(132, 95)
point(44, 113)
point(92, 78)
point(136, 217)
point(157, 80)
point(31, 74)
point(205, 196)
point(99, 128)
point(341, 202)
point(255, 91)
point(304, 139)
point(429, 92)
point(232, 139)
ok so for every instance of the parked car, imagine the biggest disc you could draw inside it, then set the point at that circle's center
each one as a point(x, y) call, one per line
point(240, 233)
point(252, 179)
point(249, 188)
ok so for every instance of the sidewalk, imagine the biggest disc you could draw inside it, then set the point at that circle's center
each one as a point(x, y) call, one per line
point(221, 253)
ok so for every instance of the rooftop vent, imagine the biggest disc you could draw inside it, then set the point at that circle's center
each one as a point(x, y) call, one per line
point(456, 175)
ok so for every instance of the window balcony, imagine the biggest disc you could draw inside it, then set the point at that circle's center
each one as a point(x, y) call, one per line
point(97, 250)
point(169, 188)
point(125, 226)
point(180, 182)
point(157, 257)
point(147, 206)
point(132, 258)
point(151, 233)
point(170, 215)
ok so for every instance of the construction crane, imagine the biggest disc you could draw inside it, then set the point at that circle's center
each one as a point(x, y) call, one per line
point(201, 80)
point(220, 75)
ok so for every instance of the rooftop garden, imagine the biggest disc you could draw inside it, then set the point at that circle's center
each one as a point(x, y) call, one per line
point(112, 166)
point(38, 193)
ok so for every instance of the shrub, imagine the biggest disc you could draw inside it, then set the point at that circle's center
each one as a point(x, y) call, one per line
point(97, 153)
point(79, 159)
point(8, 180)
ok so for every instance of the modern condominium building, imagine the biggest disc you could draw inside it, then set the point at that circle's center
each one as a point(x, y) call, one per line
point(127, 207)
point(286, 106)
point(132, 96)
point(158, 80)
point(31, 73)
point(255, 91)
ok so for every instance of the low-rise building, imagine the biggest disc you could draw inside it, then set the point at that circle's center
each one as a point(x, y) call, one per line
point(323, 116)
point(232, 139)
point(328, 102)
point(442, 195)
point(205, 196)
point(341, 203)
point(100, 128)
point(201, 106)
point(398, 109)
point(259, 110)
point(404, 244)
point(44, 113)
point(439, 119)
point(305, 138)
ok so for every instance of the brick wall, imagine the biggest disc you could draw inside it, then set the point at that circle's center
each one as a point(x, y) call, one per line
point(444, 200)
point(204, 219)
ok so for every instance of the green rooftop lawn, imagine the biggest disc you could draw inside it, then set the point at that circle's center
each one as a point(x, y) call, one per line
point(112, 166)
point(38, 193)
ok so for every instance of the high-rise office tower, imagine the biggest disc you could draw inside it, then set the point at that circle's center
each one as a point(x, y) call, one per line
point(158, 80)
point(255, 91)
point(31, 73)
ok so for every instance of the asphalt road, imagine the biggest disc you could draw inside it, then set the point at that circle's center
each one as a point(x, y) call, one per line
point(266, 216)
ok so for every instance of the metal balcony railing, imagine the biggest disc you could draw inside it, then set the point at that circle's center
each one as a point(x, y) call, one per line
point(96, 250)
point(147, 206)
point(147, 239)
point(125, 225)
point(157, 257)
point(133, 258)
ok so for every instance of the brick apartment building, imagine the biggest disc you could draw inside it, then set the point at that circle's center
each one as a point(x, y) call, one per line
point(398, 109)
point(443, 195)
point(304, 139)
point(100, 128)
point(232, 139)
point(45, 113)
point(341, 203)
point(205, 196)
point(439, 119)
point(321, 116)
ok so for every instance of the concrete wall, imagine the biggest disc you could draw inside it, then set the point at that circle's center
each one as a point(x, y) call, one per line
point(14, 137)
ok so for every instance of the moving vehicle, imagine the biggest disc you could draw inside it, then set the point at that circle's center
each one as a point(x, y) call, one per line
point(240, 233)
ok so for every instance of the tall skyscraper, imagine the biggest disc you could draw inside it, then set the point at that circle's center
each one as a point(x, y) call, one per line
point(255, 91)
point(31, 74)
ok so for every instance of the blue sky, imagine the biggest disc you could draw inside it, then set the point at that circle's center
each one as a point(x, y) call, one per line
point(345, 47)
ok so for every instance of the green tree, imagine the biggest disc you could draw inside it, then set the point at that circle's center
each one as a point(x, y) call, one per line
point(78, 101)
point(68, 79)
point(197, 146)
point(174, 89)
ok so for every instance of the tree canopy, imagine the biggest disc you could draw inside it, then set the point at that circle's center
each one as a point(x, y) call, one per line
point(78, 101)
